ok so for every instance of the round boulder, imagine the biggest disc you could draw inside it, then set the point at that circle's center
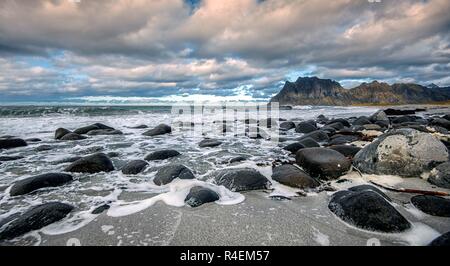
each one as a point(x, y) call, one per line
point(95, 163)
point(209, 143)
point(200, 195)
point(161, 155)
point(34, 219)
point(60, 132)
point(10, 143)
point(167, 173)
point(305, 127)
point(134, 167)
point(292, 176)
point(323, 163)
point(241, 179)
point(405, 152)
point(367, 209)
point(432, 205)
point(160, 129)
point(33, 183)
point(72, 136)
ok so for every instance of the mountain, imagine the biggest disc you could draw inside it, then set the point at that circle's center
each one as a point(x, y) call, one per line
point(316, 91)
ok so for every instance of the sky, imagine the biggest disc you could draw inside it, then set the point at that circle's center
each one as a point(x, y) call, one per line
point(65, 50)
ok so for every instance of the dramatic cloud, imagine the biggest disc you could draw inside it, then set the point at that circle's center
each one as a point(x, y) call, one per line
point(55, 48)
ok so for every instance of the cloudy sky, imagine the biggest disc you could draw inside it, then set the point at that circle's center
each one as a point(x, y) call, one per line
point(88, 49)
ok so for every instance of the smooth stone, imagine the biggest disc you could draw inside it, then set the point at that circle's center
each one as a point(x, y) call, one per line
point(43, 148)
point(73, 136)
point(113, 154)
point(447, 117)
point(336, 125)
point(362, 120)
point(294, 147)
point(318, 135)
point(160, 129)
point(86, 129)
point(100, 209)
point(348, 151)
point(432, 205)
point(367, 209)
point(97, 132)
point(34, 219)
point(440, 176)
point(287, 125)
point(323, 163)
point(405, 152)
point(10, 158)
point(161, 155)
point(167, 173)
point(209, 143)
point(309, 143)
point(33, 183)
point(134, 167)
point(95, 163)
point(441, 241)
point(371, 188)
point(292, 176)
point(237, 159)
point(61, 132)
point(441, 122)
point(403, 119)
point(200, 195)
point(12, 143)
point(305, 127)
point(241, 179)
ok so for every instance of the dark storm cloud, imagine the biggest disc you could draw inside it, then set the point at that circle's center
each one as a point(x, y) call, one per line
point(143, 47)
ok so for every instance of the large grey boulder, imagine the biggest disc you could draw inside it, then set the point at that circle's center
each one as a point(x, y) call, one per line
point(167, 173)
point(160, 129)
point(95, 163)
point(292, 176)
point(323, 163)
point(405, 152)
point(33, 183)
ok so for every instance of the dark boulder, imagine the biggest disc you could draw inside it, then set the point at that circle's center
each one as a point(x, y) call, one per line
point(440, 176)
point(362, 120)
point(370, 188)
point(305, 127)
point(237, 159)
point(367, 209)
point(34, 219)
point(139, 127)
point(161, 155)
point(287, 125)
point(323, 163)
point(134, 167)
point(43, 148)
point(348, 151)
point(73, 136)
point(441, 122)
point(33, 183)
point(336, 125)
point(209, 143)
point(86, 129)
point(33, 140)
point(441, 241)
point(12, 143)
point(100, 209)
point(379, 116)
point(432, 205)
point(294, 147)
point(241, 179)
point(160, 129)
point(200, 195)
point(447, 117)
point(318, 135)
point(309, 142)
point(95, 163)
point(167, 173)
point(292, 176)
point(404, 119)
point(60, 132)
